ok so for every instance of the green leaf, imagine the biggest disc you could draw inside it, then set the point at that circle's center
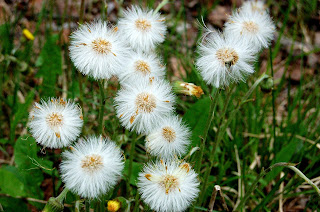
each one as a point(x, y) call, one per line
point(10, 204)
point(26, 157)
point(6, 38)
point(196, 118)
point(50, 63)
point(10, 184)
point(31, 166)
point(136, 168)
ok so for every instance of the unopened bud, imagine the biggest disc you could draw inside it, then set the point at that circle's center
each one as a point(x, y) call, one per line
point(267, 84)
point(186, 88)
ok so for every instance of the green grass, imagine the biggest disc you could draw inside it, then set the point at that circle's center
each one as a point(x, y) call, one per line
point(271, 126)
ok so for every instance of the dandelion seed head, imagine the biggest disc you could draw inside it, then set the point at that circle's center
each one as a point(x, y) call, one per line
point(142, 29)
point(168, 138)
point(141, 103)
point(225, 59)
point(168, 185)
point(92, 167)
point(55, 123)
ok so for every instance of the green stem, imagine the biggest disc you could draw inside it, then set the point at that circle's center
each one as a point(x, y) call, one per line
point(102, 103)
point(80, 77)
point(55, 204)
point(164, 2)
point(87, 205)
point(131, 156)
point(273, 104)
point(216, 143)
point(136, 203)
point(206, 129)
point(298, 172)
point(81, 12)
point(62, 195)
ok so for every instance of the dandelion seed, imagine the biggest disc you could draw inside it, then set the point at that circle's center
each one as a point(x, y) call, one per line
point(92, 168)
point(97, 51)
point(168, 186)
point(171, 137)
point(142, 29)
point(224, 59)
point(55, 123)
point(141, 104)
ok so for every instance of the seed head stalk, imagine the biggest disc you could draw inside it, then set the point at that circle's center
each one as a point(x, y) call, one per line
point(206, 129)
point(102, 103)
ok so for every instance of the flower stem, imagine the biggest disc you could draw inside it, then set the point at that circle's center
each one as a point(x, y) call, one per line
point(101, 110)
point(215, 146)
point(273, 104)
point(206, 129)
point(56, 203)
point(164, 2)
point(132, 148)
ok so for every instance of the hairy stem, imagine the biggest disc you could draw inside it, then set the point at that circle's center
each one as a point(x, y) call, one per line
point(101, 109)
point(206, 130)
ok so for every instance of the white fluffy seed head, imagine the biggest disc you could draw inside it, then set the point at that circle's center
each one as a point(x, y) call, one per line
point(224, 59)
point(142, 66)
point(92, 167)
point(142, 29)
point(257, 28)
point(97, 51)
point(55, 123)
point(168, 186)
point(141, 104)
point(169, 138)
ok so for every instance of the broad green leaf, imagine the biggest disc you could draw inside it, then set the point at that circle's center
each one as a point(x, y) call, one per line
point(10, 204)
point(26, 157)
point(196, 118)
point(50, 63)
point(10, 184)
point(31, 166)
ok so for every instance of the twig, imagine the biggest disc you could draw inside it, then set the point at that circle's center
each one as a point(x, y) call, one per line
point(32, 199)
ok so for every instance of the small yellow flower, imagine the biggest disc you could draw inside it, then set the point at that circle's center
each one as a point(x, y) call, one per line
point(28, 34)
point(113, 205)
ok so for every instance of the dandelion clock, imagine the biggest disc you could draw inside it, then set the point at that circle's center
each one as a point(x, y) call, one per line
point(224, 59)
point(169, 138)
point(168, 186)
point(141, 104)
point(55, 123)
point(254, 26)
point(142, 29)
point(97, 51)
point(142, 66)
point(92, 167)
